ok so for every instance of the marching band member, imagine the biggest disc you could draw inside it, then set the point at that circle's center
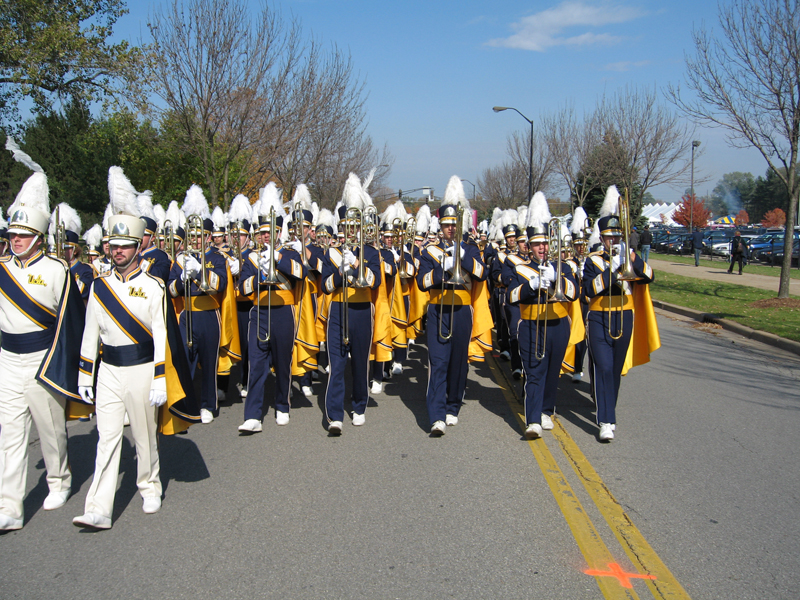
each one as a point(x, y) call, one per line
point(544, 328)
point(389, 264)
point(71, 223)
point(611, 322)
point(579, 243)
point(273, 278)
point(93, 237)
point(203, 341)
point(450, 330)
point(154, 260)
point(510, 310)
point(510, 229)
point(41, 316)
point(351, 316)
point(401, 298)
point(239, 218)
point(126, 305)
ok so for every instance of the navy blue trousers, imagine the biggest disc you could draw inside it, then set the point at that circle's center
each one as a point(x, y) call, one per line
point(277, 352)
point(361, 321)
point(243, 316)
point(447, 360)
point(607, 358)
point(511, 312)
point(500, 320)
point(541, 376)
point(205, 352)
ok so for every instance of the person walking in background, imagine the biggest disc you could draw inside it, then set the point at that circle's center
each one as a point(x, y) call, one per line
point(646, 239)
point(634, 239)
point(697, 245)
point(738, 251)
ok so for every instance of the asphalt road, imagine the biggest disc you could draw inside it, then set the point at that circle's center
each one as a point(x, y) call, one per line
point(703, 468)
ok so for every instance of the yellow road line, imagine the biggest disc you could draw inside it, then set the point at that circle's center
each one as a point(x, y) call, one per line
point(594, 550)
point(640, 553)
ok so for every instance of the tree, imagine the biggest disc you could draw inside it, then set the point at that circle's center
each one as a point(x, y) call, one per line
point(732, 192)
point(774, 218)
point(59, 49)
point(741, 219)
point(691, 211)
point(748, 84)
point(504, 186)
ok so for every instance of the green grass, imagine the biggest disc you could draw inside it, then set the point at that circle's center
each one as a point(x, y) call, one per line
point(755, 268)
point(728, 301)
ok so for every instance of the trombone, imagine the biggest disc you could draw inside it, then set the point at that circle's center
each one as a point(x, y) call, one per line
point(299, 231)
point(626, 273)
point(270, 279)
point(59, 237)
point(169, 239)
point(354, 233)
point(554, 251)
point(195, 237)
point(457, 276)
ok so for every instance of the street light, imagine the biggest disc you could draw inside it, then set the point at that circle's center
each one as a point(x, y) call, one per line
point(473, 189)
point(530, 155)
point(695, 144)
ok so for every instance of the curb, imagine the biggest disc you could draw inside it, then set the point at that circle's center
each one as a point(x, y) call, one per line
point(748, 332)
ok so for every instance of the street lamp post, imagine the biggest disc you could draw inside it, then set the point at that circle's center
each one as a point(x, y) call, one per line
point(695, 144)
point(473, 189)
point(530, 154)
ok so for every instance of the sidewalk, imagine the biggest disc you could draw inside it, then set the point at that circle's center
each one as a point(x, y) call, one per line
point(718, 271)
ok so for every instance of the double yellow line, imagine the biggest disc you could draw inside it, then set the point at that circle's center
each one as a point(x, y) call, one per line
point(612, 580)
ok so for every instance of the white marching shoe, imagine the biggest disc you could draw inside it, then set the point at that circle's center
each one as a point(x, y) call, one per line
point(307, 391)
point(250, 426)
point(547, 422)
point(397, 368)
point(359, 420)
point(9, 523)
point(607, 432)
point(55, 500)
point(577, 377)
point(335, 428)
point(92, 520)
point(151, 505)
point(438, 429)
point(533, 431)
point(451, 420)
point(206, 416)
point(281, 418)
point(243, 391)
point(505, 355)
point(376, 388)
point(221, 395)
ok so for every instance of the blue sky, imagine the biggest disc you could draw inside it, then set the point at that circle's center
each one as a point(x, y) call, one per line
point(435, 69)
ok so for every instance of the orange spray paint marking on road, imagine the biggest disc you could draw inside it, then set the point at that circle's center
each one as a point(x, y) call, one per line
point(616, 571)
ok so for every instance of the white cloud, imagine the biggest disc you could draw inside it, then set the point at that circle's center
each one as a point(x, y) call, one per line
point(626, 65)
point(542, 30)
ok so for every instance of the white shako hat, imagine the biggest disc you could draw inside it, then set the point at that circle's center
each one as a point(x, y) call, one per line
point(578, 225)
point(423, 222)
point(538, 220)
point(454, 197)
point(608, 223)
point(30, 212)
point(124, 226)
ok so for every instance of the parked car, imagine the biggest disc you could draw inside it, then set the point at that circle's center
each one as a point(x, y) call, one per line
point(775, 256)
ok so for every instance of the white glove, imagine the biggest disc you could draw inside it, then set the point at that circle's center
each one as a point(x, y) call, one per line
point(534, 283)
point(396, 255)
point(547, 272)
point(349, 258)
point(263, 264)
point(157, 397)
point(450, 250)
point(86, 393)
point(449, 263)
point(616, 261)
point(234, 265)
point(265, 251)
point(296, 245)
point(191, 268)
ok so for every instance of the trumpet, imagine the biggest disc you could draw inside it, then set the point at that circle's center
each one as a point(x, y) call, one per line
point(457, 276)
point(271, 278)
point(626, 273)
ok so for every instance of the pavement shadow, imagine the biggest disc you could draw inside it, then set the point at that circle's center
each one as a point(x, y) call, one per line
point(180, 460)
point(489, 398)
point(411, 387)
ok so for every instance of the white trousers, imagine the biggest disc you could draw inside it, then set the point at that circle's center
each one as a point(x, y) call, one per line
point(121, 390)
point(23, 397)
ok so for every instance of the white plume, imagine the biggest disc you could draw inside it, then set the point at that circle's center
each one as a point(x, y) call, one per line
point(144, 203)
point(434, 226)
point(122, 193)
point(353, 194)
point(22, 157)
point(368, 180)
point(510, 217)
point(195, 203)
point(314, 212)
point(611, 202)
point(175, 215)
point(93, 236)
point(109, 213)
point(241, 209)
point(454, 193)
point(160, 215)
point(578, 221)
point(68, 217)
point(594, 239)
point(423, 219)
point(218, 218)
point(538, 211)
point(303, 196)
point(270, 197)
point(522, 217)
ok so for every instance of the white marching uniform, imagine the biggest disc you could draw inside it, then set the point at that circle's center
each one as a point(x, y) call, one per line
point(31, 294)
point(128, 316)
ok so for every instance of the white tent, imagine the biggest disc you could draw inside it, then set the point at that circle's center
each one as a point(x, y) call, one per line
point(654, 213)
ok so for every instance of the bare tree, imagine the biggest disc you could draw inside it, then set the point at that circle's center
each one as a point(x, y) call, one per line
point(506, 185)
point(518, 149)
point(654, 144)
point(571, 142)
point(748, 83)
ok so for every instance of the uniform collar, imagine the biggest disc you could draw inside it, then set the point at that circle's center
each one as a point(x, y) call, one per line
point(29, 262)
point(132, 275)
